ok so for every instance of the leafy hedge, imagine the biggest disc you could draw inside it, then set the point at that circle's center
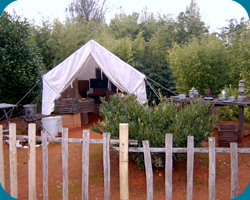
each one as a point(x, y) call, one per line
point(152, 123)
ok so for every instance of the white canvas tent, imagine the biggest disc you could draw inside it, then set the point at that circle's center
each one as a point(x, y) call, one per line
point(81, 66)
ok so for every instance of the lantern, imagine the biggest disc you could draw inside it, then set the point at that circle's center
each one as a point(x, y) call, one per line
point(242, 87)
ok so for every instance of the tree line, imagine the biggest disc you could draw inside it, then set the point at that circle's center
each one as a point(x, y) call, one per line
point(178, 53)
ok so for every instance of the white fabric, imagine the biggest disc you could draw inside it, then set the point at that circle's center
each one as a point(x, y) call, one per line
point(81, 65)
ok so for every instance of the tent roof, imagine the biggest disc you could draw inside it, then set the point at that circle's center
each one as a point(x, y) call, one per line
point(80, 65)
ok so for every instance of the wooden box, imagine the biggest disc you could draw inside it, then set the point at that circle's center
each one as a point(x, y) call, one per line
point(86, 105)
point(71, 121)
point(66, 106)
point(227, 133)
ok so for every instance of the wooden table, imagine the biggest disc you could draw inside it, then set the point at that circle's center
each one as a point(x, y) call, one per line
point(217, 102)
point(7, 114)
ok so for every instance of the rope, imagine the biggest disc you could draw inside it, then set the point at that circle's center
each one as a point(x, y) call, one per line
point(24, 97)
point(161, 85)
point(29, 91)
point(153, 89)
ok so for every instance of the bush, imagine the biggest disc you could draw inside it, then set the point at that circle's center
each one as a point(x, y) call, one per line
point(152, 123)
point(21, 63)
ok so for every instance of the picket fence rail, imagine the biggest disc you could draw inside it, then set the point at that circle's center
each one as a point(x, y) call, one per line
point(123, 162)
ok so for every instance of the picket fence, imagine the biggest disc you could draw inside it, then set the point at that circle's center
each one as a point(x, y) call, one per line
point(123, 162)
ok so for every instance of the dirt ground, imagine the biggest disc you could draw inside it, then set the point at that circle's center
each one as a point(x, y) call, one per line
point(137, 178)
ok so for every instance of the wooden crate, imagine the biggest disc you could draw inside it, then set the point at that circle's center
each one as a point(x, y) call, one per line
point(66, 106)
point(86, 105)
point(227, 133)
point(71, 121)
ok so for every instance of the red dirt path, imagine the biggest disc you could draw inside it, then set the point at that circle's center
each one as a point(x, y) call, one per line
point(137, 179)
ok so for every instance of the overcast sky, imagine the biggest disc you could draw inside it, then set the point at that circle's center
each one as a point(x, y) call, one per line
point(214, 13)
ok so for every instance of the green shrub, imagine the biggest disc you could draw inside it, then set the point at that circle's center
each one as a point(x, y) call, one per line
point(152, 123)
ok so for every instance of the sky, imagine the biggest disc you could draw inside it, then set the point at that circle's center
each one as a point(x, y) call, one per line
point(214, 13)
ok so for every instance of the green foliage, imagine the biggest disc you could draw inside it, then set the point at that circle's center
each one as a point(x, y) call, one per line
point(125, 25)
point(21, 63)
point(189, 24)
point(146, 123)
point(201, 64)
point(237, 37)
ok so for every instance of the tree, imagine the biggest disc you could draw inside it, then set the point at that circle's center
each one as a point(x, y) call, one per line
point(237, 39)
point(125, 25)
point(88, 10)
point(189, 24)
point(201, 63)
point(59, 40)
point(42, 37)
point(20, 60)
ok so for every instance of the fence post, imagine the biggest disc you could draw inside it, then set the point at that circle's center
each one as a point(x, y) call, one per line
point(45, 164)
point(85, 165)
point(1, 158)
point(190, 167)
point(13, 160)
point(32, 160)
point(123, 161)
point(212, 168)
point(168, 166)
point(149, 170)
point(234, 170)
point(65, 162)
point(106, 165)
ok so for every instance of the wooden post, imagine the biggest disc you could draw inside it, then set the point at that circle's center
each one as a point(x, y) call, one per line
point(32, 160)
point(123, 161)
point(106, 165)
point(65, 162)
point(85, 165)
point(168, 166)
point(241, 122)
point(2, 181)
point(45, 165)
point(190, 167)
point(149, 170)
point(212, 168)
point(234, 170)
point(13, 160)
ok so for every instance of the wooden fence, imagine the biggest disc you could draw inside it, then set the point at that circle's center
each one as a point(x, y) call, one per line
point(123, 162)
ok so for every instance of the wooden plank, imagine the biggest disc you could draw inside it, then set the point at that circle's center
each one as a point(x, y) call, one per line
point(234, 170)
point(65, 163)
point(32, 161)
point(70, 140)
point(45, 164)
point(241, 122)
point(123, 161)
point(106, 165)
point(183, 150)
point(85, 165)
point(168, 166)
point(13, 160)
point(2, 180)
point(190, 167)
point(149, 170)
point(212, 168)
